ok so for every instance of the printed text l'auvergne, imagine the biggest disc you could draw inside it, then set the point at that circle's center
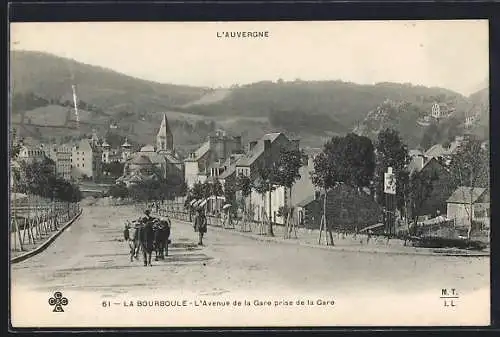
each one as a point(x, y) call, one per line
point(244, 35)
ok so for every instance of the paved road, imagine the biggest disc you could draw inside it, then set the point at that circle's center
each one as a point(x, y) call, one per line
point(91, 257)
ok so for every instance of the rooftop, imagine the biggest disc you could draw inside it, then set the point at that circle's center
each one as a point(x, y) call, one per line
point(200, 152)
point(148, 148)
point(306, 201)
point(462, 195)
point(140, 159)
point(257, 150)
point(415, 152)
point(126, 143)
point(164, 127)
point(436, 151)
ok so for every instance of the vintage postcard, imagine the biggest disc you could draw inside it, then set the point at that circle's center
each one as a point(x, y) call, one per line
point(226, 174)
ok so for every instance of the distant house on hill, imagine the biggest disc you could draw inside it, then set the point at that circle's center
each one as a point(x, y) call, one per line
point(459, 205)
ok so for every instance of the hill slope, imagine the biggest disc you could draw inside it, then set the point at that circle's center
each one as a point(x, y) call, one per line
point(51, 77)
point(309, 110)
point(322, 108)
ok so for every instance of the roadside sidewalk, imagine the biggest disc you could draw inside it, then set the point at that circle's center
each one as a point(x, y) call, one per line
point(348, 243)
point(18, 256)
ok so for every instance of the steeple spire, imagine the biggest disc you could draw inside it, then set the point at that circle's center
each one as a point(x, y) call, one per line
point(164, 138)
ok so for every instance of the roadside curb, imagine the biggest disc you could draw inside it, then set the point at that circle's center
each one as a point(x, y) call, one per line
point(47, 243)
point(341, 249)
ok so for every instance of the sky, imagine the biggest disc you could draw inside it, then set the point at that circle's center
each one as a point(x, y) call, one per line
point(449, 54)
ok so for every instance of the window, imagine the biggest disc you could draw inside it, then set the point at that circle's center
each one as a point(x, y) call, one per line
point(77, 165)
point(83, 165)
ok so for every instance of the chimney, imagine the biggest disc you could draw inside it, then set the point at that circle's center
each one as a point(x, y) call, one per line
point(420, 162)
point(252, 145)
point(237, 143)
point(317, 195)
point(267, 152)
point(267, 145)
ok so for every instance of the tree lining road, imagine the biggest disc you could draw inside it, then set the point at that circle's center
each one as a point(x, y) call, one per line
point(90, 256)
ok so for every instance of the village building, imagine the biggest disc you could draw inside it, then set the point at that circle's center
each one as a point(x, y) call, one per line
point(466, 203)
point(226, 172)
point(30, 154)
point(15, 172)
point(264, 153)
point(436, 173)
point(61, 156)
point(469, 120)
point(107, 157)
point(208, 159)
point(50, 151)
point(138, 169)
point(153, 161)
point(63, 161)
point(442, 152)
point(305, 194)
point(86, 159)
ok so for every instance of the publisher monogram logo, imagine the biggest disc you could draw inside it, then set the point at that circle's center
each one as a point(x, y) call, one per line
point(58, 301)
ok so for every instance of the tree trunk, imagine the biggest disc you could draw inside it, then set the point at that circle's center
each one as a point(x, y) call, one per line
point(270, 226)
point(469, 230)
point(290, 211)
point(327, 226)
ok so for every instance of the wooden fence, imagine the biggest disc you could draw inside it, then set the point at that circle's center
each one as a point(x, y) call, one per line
point(32, 224)
point(179, 212)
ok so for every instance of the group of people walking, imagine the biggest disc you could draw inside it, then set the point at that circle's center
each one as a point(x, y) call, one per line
point(148, 234)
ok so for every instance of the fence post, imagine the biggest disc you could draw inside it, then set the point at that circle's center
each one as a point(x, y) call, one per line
point(30, 231)
point(25, 228)
point(44, 223)
point(18, 230)
point(37, 224)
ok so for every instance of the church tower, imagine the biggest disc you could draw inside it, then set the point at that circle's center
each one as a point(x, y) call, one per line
point(126, 150)
point(164, 138)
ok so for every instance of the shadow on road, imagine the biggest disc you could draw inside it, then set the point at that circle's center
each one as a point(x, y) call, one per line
point(186, 258)
point(181, 252)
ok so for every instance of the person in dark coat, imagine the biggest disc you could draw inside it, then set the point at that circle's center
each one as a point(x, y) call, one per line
point(146, 237)
point(148, 217)
point(200, 225)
